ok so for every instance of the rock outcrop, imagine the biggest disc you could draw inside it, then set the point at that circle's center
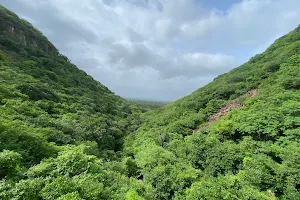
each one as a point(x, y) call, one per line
point(226, 109)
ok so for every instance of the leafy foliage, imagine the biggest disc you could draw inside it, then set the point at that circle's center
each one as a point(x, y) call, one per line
point(65, 136)
point(61, 132)
point(247, 154)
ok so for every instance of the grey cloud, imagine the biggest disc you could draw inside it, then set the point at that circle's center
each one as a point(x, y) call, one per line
point(53, 22)
point(157, 49)
point(135, 56)
point(185, 65)
point(134, 36)
point(87, 62)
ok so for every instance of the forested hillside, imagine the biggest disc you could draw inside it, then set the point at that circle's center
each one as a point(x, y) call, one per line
point(65, 136)
point(252, 152)
point(60, 130)
point(145, 106)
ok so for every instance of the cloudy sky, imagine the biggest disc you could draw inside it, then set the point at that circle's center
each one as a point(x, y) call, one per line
point(159, 49)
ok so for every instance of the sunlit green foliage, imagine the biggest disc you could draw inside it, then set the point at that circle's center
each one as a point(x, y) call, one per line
point(61, 132)
point(251, 153)
point(65, 136)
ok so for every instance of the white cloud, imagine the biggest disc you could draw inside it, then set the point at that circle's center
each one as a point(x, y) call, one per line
point(158, 49)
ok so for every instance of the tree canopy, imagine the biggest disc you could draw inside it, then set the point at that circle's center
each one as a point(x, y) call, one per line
point(65, 136)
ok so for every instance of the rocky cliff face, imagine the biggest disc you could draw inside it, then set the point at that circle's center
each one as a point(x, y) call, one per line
point(15, 31)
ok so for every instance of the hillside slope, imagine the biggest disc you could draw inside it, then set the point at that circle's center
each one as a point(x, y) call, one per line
point(250, 152)
point(41, 88)
point(61, 132)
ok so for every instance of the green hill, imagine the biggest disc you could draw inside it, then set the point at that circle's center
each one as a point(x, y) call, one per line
point(65, 136)
point(146, 105)
point(52, 111)
point(251, 152)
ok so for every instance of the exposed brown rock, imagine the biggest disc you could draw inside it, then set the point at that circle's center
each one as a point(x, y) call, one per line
point(11, 29)
point(202, 127)
point(223, 111)
point(226, 109)
point(252, 93)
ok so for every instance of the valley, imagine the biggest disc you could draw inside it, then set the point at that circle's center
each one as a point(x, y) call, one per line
point(66, 136)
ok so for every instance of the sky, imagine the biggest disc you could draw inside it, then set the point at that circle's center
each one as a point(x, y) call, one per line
point(159, 49)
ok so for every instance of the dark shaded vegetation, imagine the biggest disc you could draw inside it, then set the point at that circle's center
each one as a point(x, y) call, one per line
point(145, 106)
point(65, 136)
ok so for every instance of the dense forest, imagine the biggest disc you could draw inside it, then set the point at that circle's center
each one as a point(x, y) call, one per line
point(145, 106)
point(65, 136)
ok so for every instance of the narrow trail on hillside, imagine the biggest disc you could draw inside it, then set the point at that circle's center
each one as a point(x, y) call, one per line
point(225, 110)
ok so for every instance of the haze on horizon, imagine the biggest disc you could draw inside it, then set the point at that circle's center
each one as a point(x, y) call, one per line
point(159, 49)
